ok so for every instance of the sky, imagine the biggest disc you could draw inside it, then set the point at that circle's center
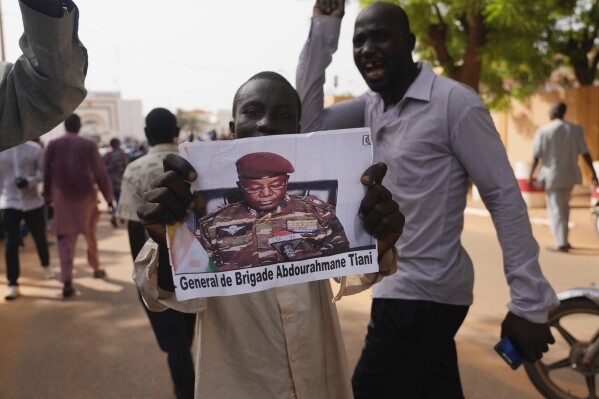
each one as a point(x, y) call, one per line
point(193, 53)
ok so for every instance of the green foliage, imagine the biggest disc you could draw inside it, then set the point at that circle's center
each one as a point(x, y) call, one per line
point(574, 34)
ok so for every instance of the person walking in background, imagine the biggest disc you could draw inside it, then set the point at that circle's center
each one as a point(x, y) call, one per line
point(434, 134)
point(174, 330)
point(46, 83)
point(72, 168)
point(115, 161)
point(21, 170)
point(557, 145)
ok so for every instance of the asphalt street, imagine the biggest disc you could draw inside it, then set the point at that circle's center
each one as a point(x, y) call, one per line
point(99, 345)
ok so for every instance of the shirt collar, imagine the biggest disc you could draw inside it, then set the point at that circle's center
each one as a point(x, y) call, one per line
point(422, 86)
point(163, 147)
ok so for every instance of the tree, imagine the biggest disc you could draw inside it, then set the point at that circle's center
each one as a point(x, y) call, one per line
point(573, 35)
point(493, 46)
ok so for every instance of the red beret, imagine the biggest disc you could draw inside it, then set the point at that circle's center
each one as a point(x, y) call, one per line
point(258, 165)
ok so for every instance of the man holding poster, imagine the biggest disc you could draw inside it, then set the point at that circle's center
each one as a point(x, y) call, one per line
point(283, 342)
point(269, 226)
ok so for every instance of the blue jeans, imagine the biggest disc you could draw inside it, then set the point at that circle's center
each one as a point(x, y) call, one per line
point(410, 351)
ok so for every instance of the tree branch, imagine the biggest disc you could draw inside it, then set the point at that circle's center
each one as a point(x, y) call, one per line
point(437, 34)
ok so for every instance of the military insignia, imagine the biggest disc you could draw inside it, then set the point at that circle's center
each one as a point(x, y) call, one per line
point(232, 230)
point(302, 226)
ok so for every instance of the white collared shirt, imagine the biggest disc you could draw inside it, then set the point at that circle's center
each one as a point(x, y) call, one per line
point(27, 161)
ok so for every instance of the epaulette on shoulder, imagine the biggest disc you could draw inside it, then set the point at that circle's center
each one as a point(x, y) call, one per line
point(317, 202)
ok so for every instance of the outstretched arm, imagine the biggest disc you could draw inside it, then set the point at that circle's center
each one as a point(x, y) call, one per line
point(46, 83)
point(487, 164)
point(589, 162)
point(316, 56)
point(535, 162)
point(166, 203)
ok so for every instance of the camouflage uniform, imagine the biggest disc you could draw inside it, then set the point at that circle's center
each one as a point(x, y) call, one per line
point(237, 236)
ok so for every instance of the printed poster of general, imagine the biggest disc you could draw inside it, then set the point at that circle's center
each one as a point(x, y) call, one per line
point(273, 211)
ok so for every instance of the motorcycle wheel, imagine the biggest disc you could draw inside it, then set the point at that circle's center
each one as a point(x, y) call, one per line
point(560, 374)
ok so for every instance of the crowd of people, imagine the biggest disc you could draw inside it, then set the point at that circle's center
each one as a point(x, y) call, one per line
point(430, 135)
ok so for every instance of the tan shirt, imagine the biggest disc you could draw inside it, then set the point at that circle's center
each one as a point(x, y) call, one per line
point(280, 343)
point(138, 177)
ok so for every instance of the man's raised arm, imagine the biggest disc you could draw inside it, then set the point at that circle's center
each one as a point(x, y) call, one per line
point(46, 83)
point(315, 57)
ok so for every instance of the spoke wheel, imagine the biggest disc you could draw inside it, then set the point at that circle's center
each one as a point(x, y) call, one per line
point(561, 374)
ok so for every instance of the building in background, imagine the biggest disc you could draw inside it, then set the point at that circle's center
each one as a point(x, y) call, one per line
point(197, 124)
point(105, 115)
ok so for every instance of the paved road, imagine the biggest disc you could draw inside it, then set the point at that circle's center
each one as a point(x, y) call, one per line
point(99, 344)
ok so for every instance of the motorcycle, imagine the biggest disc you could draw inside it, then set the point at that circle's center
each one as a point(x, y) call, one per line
point(569, 369)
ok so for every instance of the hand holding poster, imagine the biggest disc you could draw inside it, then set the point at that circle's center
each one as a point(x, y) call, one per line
point(273, 211)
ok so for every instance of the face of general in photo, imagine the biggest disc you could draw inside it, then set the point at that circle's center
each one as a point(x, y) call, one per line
point(263, 178)
point(266, 193)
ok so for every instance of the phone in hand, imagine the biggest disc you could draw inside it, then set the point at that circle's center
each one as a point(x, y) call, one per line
point(506, 349)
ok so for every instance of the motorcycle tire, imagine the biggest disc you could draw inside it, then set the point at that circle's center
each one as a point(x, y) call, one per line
point(574, 324)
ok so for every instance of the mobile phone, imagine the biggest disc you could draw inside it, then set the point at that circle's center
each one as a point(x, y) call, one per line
point(506, 349)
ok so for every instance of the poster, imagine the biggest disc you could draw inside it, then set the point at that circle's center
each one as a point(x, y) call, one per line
point(273, 211)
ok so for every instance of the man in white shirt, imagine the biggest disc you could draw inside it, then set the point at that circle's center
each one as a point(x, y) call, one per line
point(558, 145)
point(21, 170)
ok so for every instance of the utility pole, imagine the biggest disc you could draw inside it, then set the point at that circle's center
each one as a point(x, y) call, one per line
point(2, 34)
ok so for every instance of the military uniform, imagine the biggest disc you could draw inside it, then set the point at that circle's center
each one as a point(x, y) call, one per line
point(238, 236)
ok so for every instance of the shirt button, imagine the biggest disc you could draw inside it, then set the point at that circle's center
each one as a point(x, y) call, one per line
point(293, 359)
point(293, 396)
point(289, 318)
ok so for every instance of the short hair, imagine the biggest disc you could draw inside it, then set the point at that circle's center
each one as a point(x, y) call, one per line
point(73, 123)
point(161, 125)
point(402, 17)
point(115, 142)
point(558, 110)
point(400, 14)
point(275, 77)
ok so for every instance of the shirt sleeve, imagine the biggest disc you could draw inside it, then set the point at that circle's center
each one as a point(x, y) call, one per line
point(131, 197)
point(537, 145)
point(46, 83)
point(478, 147)
point(102, 176)
point(315, 57)
point(145, 275)
point(582, 145)
point(48, 171)
point(354, 284)
point(38, 177)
